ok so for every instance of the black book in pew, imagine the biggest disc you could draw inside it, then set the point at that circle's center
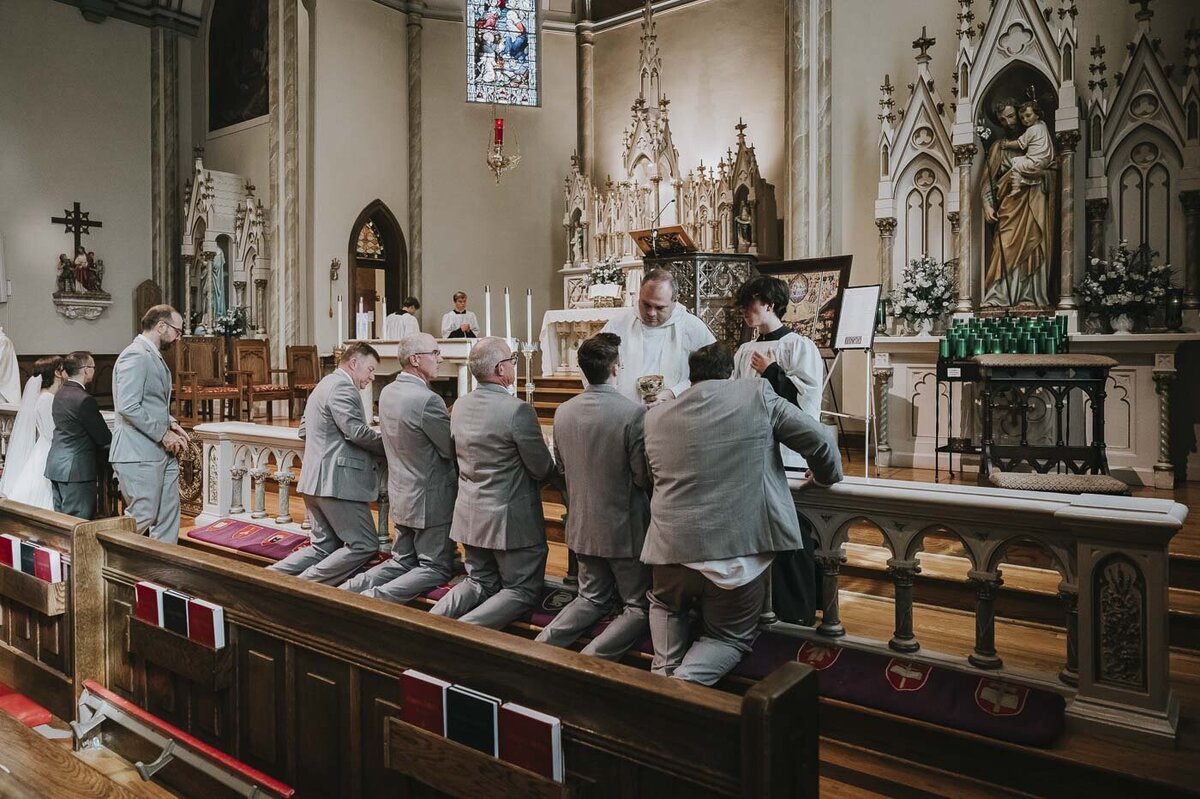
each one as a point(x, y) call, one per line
point(472, 719)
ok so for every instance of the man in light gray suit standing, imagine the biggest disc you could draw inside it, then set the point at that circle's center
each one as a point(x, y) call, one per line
point(721, 509)
point(146, 440)
point(422, 482)
point(498, 517)
point(337, 474)
point(599, 448)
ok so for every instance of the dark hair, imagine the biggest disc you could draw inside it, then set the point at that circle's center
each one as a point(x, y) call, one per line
point(73, 364)
point(411, 302)
point(711, 362)
point(360, 348)
point(1037, 109)
point(45, 367)
point(156, 314)
point(769, 290)
point(597, 355)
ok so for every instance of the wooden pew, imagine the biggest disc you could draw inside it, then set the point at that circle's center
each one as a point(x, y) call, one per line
point(37, 618)
point(32, 767)
point(312, 693)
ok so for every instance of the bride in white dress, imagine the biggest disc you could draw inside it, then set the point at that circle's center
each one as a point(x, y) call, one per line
point(24, 478)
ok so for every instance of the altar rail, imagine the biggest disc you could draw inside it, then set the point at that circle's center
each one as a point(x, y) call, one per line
point(1111, 553)
point(239, 459)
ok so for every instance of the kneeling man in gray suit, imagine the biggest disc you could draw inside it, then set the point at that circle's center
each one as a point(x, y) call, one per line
point(337, 475)
point(422, 483)
point(721, 510)
point(599, 448)
point(498, 518)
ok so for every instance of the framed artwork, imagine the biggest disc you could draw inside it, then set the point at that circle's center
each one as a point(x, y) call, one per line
point(502, 52)
point(237, 62)
point(815, 287)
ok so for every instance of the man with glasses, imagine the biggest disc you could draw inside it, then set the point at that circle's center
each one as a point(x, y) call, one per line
point(146, 440)
point(80, 436)
point(422, 482)
point(502, 458)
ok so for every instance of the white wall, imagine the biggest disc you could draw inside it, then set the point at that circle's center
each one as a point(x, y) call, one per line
point(74, 126)
point(475, 231)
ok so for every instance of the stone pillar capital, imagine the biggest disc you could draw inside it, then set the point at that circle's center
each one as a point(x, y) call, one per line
point(1067, 140)
point(964, 154)
point(886, 225)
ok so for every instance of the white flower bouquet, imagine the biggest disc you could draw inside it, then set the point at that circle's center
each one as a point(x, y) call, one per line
point(1129, 282)
point(926, 290)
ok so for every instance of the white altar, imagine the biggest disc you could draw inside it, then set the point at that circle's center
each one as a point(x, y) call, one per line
point(563, 331)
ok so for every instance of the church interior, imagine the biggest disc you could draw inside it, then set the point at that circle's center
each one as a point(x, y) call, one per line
point(985, 217)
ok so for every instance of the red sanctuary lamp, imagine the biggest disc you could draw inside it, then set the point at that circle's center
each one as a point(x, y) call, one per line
point(496, 159)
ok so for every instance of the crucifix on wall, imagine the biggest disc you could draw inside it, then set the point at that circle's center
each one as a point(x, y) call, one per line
point(80, 275)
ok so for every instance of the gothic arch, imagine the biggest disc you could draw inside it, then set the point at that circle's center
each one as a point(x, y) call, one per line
point(393, 262)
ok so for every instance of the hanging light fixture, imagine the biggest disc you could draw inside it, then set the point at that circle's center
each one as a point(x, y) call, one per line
point(496, 159)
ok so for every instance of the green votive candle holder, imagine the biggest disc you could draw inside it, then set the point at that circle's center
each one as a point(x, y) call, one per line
point(960, 348)
point(944, 349)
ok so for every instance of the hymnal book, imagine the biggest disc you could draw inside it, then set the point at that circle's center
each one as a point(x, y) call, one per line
point(472, 719)
point(148, 604)
point(27, 557)
point(206, 623)
point(10, 551)
point(47, 564)
point(175, 614)
point(424, 701)
point(531, 740)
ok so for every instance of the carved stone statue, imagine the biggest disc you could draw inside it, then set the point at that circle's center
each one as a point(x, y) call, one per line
point(745, 228)
point(66, 275)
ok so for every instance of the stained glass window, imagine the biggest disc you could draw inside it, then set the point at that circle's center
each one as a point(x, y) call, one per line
point(369, 244)
point(502, 52)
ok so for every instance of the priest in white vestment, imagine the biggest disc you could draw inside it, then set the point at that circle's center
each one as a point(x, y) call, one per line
point(460, 323)
point(397, 326)
point(10, 375)
point(656, 338)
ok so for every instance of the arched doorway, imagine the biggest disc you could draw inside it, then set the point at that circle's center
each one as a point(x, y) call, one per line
point(378, 259)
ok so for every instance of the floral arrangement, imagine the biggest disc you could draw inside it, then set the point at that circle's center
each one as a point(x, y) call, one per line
point(232, 323)
point(926, 290)
point(606, 272)
point(1129, 282)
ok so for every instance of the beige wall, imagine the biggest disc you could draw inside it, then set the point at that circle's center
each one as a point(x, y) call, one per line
point(74, 126)
point(475, 231)
point(722, 59)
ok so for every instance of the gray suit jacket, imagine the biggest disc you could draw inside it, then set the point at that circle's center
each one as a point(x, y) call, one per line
point(599, 448)
point(80, 434)
point(719, 486)
point(338, 443)
point(422, 482)
point(142, 398)
point(501, 458)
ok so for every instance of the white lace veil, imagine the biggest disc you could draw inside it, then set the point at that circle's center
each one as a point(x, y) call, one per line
point(24, 435)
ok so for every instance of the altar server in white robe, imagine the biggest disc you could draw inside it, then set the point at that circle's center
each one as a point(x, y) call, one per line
point(397, 326)
point(460, 323)
point(10, 375)
point(656, 338)
point(792, 365)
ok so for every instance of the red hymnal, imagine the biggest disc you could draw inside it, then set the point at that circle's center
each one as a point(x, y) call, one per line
point(10, 551)
point(424, 701)
point(149, 602)
point(206, 623)
point(531, 740)
point(47, 565)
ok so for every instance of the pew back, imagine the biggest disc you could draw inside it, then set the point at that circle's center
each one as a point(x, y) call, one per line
point(312, 692)
point(36, 618)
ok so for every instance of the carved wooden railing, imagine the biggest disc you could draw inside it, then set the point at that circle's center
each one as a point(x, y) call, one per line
point(1111, 553)
point(239, 459)
point(8, 415)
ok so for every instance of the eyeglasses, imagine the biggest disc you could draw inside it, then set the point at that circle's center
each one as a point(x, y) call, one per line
point(431, 352)
point(512, 360)
point(178, 330)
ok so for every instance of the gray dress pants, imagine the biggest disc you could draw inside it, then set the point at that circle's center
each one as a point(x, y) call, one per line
point(730, 619)
point(343, 539)
point(599, 580)
point(422, 558)
point(76, 498)
point(501, 586)
point(151, 493)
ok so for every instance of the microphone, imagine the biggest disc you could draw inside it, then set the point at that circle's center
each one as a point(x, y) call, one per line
point(654, 228)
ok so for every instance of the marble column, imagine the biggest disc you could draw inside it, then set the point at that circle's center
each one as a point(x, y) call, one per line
point(1164, 376)
point(887, 239)
point(1191, 227)
point(415, 175)
point(585, 79)
point(883, 447)
point(808, 123)
point(964, 156)
point(284, 142)
point(1068, 140)
point(188, 262)
point(986, 584)
point(903, 573)
point(165, 198)
point(1097, 212)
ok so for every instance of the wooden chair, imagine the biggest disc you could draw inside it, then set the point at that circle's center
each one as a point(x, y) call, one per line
point(305, 366)
point(199, 378)
point(252, 359)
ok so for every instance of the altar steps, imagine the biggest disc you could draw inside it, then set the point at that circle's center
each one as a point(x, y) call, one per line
point(550, 392)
